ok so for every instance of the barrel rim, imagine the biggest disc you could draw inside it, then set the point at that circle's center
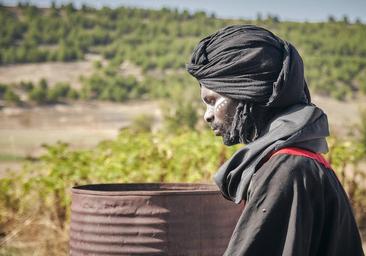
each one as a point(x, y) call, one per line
point(155, 189)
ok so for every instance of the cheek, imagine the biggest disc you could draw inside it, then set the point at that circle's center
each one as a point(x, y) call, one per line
point(225, 111)
point(221, 109)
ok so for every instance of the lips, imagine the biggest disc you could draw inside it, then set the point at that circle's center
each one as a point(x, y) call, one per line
point(216, 131)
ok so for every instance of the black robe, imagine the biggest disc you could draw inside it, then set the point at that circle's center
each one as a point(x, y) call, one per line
point(295, 207)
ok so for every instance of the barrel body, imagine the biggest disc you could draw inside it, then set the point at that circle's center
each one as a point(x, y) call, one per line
point(150, 219)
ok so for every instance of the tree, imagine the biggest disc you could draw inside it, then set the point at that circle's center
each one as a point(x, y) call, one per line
point(331, 19)
point(69, 8)
point(259, 17)
point(39, 93)
point(54, 11)
point(345, 19)
point(58, 91)
point(10, 97)
point(26, 86)
point(43, 84)
point(3, 89)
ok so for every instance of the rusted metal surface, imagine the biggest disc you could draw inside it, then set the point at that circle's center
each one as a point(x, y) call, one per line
point(150, 219)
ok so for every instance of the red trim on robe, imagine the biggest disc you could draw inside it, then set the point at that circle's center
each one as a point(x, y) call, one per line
point(302, 152)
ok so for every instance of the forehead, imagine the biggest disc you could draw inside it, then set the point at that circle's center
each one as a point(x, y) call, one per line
point(205, 92)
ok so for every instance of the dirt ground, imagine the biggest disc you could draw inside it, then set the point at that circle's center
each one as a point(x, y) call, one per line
point(55, 72)
point(342, 116)
point(82, 125)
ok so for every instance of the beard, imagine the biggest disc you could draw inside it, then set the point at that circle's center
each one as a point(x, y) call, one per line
point(229, 140)
point(233, 134)
point(225, 131)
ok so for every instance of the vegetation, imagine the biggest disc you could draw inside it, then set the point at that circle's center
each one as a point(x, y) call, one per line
point(35, 202)
point(103, 85)
point(39, 93)
point(334, 52)
point(10, 97)
point(106, 85)
point(347, 158)
point(40, 194)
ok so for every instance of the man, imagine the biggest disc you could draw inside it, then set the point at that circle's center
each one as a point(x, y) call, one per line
point(253, 85)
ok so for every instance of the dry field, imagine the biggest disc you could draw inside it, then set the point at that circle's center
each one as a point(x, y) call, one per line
point(22, 131)
point(53, 72)
point(342, 116)
point(83, 125)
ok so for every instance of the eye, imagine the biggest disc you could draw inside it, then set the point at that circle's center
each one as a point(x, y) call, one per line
point(221, 102)
point(209, 101)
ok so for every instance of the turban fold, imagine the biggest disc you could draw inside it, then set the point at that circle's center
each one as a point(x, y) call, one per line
point(251, 64)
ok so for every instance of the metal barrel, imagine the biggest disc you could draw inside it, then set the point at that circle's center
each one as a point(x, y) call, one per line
point(150, 219)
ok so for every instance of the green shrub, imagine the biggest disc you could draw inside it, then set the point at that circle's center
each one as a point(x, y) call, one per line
point(143, 123)
point(58, 91)
point(39, 95)
point(11, 97)
point(3, 89)
point(26, 86)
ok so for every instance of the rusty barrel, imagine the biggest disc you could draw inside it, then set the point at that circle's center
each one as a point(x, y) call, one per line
point(150, 219)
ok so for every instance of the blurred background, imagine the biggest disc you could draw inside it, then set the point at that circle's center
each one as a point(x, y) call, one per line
point(96, 91)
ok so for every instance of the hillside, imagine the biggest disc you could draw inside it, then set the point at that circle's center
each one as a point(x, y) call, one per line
point(160, 42)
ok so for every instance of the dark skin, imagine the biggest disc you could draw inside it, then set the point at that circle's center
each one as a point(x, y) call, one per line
point(220, 112)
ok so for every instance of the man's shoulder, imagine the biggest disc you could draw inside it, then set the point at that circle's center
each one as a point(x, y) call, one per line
point(286, 168)
point(282, 174)
point(297, 164)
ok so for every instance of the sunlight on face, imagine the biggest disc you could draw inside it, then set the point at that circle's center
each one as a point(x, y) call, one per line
point(219, 113)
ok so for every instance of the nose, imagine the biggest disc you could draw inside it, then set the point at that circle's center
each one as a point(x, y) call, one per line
point(209, 115)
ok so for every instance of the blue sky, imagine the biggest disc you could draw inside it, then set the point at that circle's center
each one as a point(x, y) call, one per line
point(294, 10)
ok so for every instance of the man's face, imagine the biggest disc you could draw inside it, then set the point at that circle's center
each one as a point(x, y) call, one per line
point(219, 113)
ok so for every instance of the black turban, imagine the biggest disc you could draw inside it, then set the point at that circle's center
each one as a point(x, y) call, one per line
point(255, 67)
point(250, 64)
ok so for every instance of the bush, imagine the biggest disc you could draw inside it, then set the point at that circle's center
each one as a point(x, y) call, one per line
point(39, 95)
point(3, 89)
point(26, 86)
point(346, 157)
point(143, 123)
point(73, 94)
point(106, 85)
point(10, 97)
point(58, 91)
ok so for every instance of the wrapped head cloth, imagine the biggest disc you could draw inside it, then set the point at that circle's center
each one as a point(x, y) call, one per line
point(250, 64)
point(255, 67)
